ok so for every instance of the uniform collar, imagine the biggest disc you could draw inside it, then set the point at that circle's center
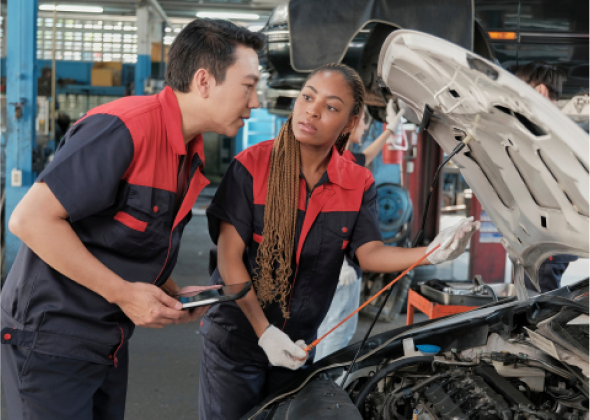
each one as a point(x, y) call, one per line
point(172, 120)
point(338, 170)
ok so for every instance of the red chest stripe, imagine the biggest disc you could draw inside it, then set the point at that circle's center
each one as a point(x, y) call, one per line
point(131, 221)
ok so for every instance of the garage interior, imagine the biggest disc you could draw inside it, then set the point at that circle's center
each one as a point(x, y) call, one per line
point(61, 59)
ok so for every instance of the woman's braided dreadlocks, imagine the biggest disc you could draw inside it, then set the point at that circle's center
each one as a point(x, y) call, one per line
point(275, 253)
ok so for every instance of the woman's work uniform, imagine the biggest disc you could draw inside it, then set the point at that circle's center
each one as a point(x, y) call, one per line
point(346, 300)
point(116, 173)
point(333, 220)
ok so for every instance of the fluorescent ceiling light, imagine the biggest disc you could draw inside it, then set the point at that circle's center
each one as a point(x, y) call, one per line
point(255, 28)
point(228, 15)
point(71, 8)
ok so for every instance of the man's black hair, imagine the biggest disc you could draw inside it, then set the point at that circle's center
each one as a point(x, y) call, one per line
point(207, 44)
point(539, 72)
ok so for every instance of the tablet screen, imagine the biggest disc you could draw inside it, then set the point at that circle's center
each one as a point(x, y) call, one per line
point(201, 296)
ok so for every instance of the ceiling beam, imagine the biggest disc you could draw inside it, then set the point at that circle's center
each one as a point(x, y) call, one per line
point(159, 11)
point(198, 6)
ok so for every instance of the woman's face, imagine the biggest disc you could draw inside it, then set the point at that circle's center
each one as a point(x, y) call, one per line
point(323, 110)
point(357, 133)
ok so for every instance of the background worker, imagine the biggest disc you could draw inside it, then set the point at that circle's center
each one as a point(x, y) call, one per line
point(347, 296)
point(285, 215)
point(548, 81)
point(102, 226)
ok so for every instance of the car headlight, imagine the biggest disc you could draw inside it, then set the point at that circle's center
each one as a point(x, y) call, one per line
point(279, 15)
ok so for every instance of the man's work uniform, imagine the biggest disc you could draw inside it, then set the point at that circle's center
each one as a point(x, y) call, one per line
point(333, 220)
point(550, 273)
point(116, 173)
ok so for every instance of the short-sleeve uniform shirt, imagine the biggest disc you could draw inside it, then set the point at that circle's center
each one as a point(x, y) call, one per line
point(116, 173)
point(333, 220)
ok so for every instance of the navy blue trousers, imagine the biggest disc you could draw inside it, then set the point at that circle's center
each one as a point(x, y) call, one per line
point(45, 387)
point(229, 388)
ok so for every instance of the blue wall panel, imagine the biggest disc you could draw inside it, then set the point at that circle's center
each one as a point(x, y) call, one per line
point(143, 70)
point(21, 93)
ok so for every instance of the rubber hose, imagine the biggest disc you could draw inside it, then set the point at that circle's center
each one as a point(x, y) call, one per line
point(392, 367)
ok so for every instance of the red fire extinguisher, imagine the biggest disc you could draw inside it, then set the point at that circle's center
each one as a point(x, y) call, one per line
point(396, 147)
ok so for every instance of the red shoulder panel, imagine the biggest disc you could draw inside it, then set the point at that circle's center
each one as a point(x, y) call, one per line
point(369, 180)
point(348, 155)
point(256, 160)
point(344, 200)
point(354, 176)
point(154, 164)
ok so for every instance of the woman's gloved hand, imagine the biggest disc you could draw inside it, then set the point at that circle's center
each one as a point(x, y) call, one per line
point(347, 275)
point(453, 241)
point(281, 350)
point(392, 118)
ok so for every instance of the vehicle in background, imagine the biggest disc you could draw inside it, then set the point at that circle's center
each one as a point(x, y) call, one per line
point(304, 34)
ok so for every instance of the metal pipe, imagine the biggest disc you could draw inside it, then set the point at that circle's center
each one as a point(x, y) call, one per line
point(53, 75)
point(159, 11)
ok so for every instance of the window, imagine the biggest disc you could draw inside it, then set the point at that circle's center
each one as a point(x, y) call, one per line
point(87, 40)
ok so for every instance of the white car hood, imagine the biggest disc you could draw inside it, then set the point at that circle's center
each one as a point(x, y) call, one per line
point(528, 164)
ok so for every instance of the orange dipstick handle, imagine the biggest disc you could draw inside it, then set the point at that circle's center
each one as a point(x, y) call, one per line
point(317, 341)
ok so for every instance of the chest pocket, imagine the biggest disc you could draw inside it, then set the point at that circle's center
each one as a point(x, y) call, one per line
point(338, 231)
point(138, 227)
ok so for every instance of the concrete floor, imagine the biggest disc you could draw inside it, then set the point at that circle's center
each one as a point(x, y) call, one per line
point(164, 364)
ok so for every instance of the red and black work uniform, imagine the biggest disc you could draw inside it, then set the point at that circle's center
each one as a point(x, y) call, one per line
point(117, 175)
point(333, 220)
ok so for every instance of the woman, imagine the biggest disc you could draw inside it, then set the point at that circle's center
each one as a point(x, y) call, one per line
point(347, 296)
point(284, 216)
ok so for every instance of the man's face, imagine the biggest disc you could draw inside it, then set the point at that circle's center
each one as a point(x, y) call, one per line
point(231, 101)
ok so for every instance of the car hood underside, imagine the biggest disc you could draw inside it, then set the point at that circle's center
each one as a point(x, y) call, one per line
point(528, 162)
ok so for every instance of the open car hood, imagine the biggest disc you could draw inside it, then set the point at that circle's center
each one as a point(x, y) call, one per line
point(528, 163)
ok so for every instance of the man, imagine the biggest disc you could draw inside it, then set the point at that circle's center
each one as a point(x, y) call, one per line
point(548, 81)
point(544, 78)
point(102, 226)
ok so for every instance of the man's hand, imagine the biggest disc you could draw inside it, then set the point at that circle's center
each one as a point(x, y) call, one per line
point(148, 306)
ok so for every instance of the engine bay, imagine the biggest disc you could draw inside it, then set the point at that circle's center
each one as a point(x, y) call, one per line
point(483, 383)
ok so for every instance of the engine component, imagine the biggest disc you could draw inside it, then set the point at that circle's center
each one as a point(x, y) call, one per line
point(505, 364)
point(503, 386)
point(466, 396)
point(389, 369)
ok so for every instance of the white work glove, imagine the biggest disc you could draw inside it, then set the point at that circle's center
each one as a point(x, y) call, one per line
point(281, 350)
point(347, 275)
point(454, 241)
point(392, 118)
